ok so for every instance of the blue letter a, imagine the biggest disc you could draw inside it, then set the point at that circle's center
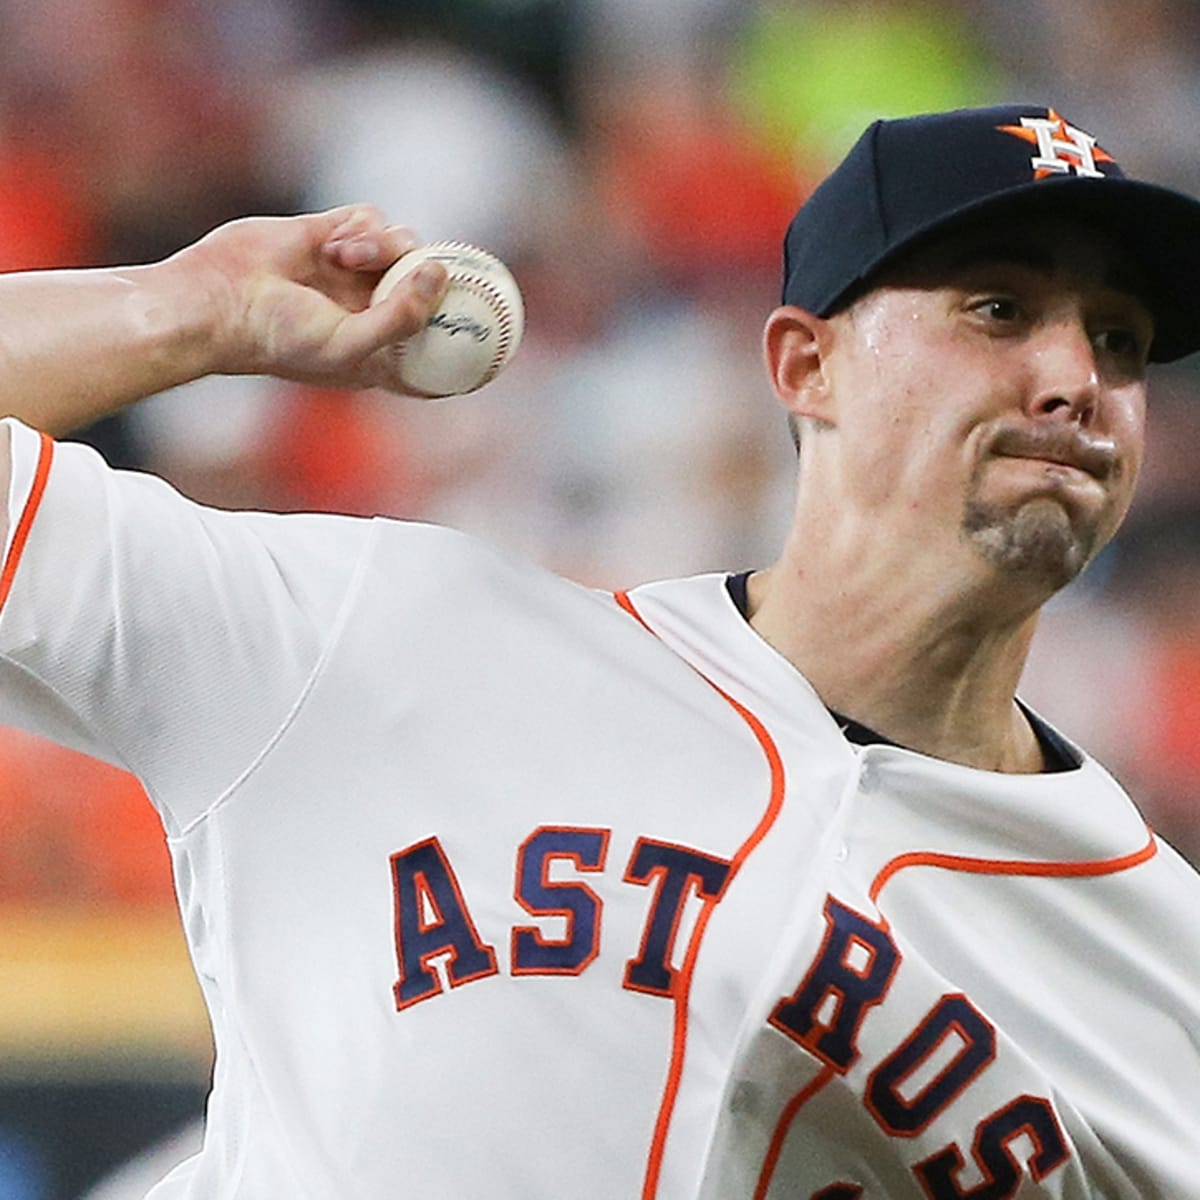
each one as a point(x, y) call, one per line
point(432, 920)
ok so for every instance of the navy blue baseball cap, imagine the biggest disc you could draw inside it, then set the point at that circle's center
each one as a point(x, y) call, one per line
point(905, 180)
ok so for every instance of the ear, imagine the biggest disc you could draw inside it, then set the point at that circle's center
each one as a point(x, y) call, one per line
point(796, 343)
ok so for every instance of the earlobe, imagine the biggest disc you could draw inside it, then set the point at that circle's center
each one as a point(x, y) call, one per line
point(795, 344)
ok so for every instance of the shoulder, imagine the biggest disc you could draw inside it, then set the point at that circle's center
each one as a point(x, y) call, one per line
point(436, 569)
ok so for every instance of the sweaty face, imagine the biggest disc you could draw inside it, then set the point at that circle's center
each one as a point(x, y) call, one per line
point(994, 386)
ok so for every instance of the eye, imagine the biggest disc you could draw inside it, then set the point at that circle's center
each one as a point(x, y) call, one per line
point(1121, 343)
point(1003, 310)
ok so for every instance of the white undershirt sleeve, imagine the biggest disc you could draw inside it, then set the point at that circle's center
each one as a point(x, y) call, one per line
point(164, 636)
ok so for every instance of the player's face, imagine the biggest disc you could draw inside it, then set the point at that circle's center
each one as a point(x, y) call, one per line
point(995, 386)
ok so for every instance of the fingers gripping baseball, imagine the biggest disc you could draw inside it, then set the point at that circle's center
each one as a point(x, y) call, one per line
point(291, 296)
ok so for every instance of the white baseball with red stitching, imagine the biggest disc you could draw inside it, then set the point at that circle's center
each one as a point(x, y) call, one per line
point(474, 332)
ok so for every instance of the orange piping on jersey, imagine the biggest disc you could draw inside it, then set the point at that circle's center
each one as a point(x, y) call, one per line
point(793, 1106)
point(21, 535)
point(999, 866)
point(683, 979)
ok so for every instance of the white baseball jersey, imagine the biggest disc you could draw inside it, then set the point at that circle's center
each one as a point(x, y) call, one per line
point(497, 886)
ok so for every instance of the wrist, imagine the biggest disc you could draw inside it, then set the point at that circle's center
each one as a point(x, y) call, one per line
point(175, 319)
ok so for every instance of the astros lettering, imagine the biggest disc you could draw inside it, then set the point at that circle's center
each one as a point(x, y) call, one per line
point(907, 1088)
point(432, 918)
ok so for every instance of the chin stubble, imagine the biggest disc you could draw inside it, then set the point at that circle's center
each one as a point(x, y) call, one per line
point(1035, 542)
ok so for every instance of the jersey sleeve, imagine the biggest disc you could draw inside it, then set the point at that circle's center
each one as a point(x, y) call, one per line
point(166, 637)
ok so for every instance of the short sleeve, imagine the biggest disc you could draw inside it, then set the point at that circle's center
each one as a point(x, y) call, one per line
point(164, 636)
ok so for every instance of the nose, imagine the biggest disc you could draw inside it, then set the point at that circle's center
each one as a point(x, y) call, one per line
point(1067, 379)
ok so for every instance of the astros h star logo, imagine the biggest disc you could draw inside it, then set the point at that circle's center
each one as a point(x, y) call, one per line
point(1061, 148)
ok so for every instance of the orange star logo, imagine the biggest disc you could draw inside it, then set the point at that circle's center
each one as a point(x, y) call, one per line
point(1061, 148)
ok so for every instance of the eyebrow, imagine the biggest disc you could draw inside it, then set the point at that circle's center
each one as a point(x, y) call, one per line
point(1117, 277)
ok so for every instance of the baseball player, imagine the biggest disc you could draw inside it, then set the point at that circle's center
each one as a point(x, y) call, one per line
point(729, 887)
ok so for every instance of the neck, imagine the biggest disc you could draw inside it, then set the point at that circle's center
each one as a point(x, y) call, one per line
point(932, 665)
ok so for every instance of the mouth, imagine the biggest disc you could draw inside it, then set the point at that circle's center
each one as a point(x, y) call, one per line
point(1060, 449)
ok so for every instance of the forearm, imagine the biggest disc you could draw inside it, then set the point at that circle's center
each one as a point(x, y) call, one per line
point(78, 345)
point(283, 296)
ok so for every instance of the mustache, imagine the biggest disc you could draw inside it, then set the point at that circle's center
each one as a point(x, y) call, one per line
point(1065, 444)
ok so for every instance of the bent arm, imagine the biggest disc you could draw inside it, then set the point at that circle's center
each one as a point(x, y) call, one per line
point(286, 296)
point(283, 296)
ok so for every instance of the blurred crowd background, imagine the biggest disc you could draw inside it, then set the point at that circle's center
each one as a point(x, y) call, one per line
point(636, 162)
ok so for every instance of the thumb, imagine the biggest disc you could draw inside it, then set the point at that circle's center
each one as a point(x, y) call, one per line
point(403, 312)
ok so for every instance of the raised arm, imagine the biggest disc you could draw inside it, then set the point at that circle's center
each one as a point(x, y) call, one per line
point(284, 296)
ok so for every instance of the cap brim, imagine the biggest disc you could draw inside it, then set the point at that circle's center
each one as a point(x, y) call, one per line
point(1160, 229)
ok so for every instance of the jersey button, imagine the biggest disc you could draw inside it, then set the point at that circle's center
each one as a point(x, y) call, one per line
point(868, 777)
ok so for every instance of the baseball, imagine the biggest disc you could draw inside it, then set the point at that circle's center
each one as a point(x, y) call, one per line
point(474, 332)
